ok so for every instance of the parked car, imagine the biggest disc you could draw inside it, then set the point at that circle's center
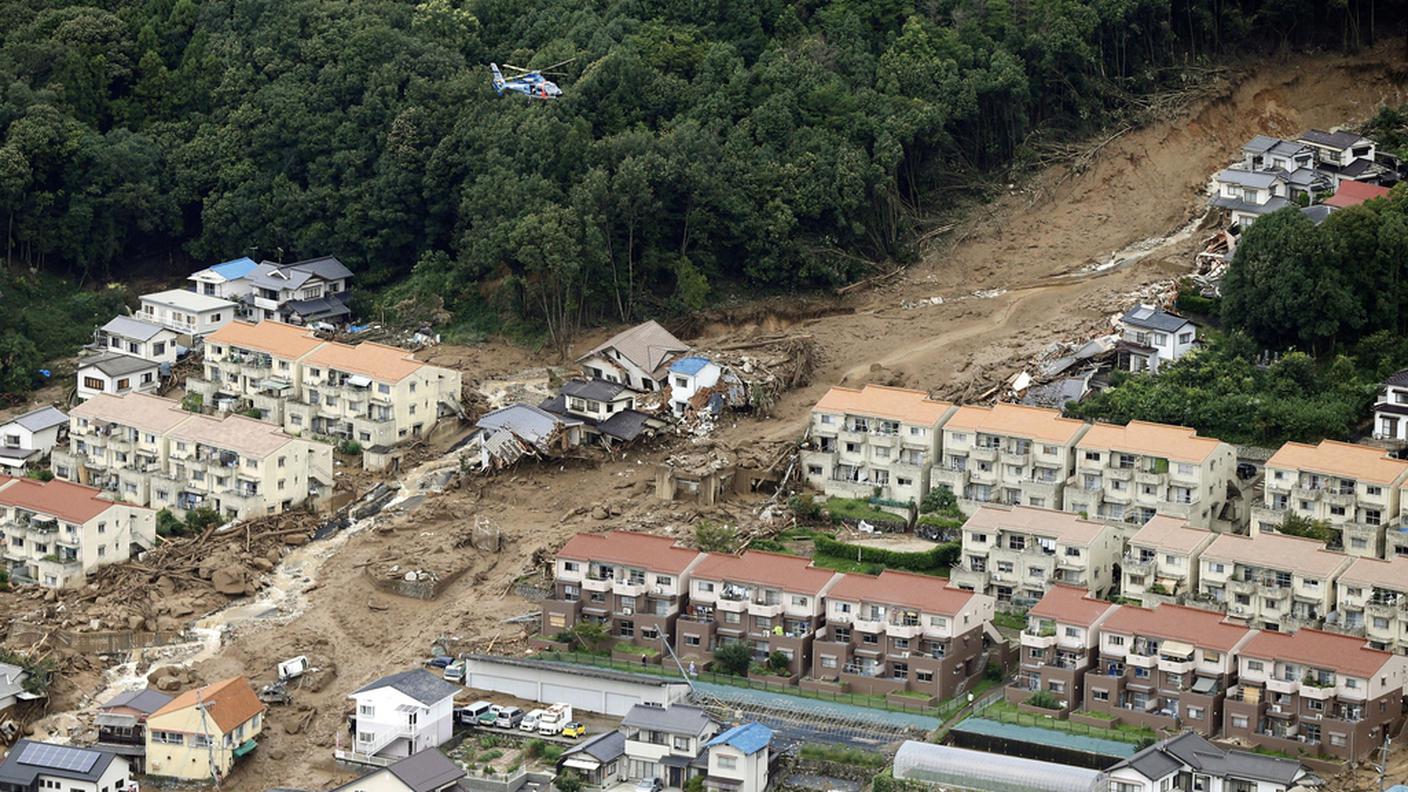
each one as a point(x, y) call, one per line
point(454, 672)
point(491, 715)
point(472, 713)
point(530, 721)
point(649, 785)
point(509, 718)
point(439, 661)
point(574, 729)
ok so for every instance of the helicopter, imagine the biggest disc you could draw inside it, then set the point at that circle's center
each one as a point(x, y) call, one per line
point(529, 82)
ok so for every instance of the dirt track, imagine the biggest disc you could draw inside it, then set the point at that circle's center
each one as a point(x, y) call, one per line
point(1036, 243)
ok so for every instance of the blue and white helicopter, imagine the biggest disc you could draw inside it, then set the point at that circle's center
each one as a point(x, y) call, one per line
point(529, 82)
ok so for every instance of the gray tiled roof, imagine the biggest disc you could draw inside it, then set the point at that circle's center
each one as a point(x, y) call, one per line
point(605, 747)
point(625, 425)
point(417, 683)
point(1153, 318)
point(1189, 748)
point(271, 276)
point(597, 390)
point(325, 267)
point(647, 345)
point(1260, 144)
point(1339, 140)
point(147, 700)
point(128, 327)
point(40, 419)
point(25, 774)
point(1250, 208)
point(426, 770)
point(1261, 180)
point(116, 365)
point(525, 420)
point(678, 719)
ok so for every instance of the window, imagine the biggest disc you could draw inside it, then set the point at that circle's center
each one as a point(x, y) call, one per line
point(1239, 721)
point(728, 762)
point(1072, 632)
point(681, 743)
point(92, 383)
point(1099, 695)
point(168, 738)
point(366, 710)
point(1115, 640)
point(1255, 665)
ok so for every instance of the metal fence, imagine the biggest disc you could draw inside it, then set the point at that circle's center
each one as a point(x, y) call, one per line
point(941, 711)
point(1018, 718)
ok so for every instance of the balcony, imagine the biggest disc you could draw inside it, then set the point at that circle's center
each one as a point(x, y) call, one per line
point(1119, 474)
point(1141, 661)
point(732, 605)
point(881, 440)
point(765, 610)
point(1135, 566)
point(904, 629)
point(1345, 499)
point(1317, 691)
point(634, 587)
point(597, 584)
point(869, 625)
point(1018, 458)
point(981, 454)
point(1288, 686)
point(1307, 493)
point(1155, 479)
point(1039, 638)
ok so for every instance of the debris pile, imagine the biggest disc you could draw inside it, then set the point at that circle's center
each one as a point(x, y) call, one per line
point(757, 371)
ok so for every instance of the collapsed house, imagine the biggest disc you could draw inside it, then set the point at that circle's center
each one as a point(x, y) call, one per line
point(503, 437)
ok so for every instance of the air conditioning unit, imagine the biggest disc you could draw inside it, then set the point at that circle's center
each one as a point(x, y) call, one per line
point(658, 590)
point(628, 611)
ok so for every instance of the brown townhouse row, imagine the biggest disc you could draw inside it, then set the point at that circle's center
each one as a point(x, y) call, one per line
point(1174, 668)
point(876, 634)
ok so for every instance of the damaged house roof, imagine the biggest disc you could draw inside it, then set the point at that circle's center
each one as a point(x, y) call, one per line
point(648, 345)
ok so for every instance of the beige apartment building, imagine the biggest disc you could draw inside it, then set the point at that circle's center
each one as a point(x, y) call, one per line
point(1007, 453)
point(56, 532)
point(374, 394)
point(1270, 581)
point(147, 450)
point(1127, 474)
point(1014, 553)
point(1161, 564)
point(874, 439)
point(1355, 489)
point(1371, 598)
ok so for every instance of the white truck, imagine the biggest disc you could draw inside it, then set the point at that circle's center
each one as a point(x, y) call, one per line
point(552, 720)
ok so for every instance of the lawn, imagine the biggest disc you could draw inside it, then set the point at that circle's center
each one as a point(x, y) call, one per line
point(855, 509)
point(1007, 712)
point(1012, 621)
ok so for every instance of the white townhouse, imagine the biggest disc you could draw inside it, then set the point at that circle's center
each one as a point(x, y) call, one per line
point(1151, 337)
point(30, 437)
point(55, 532)
point(186, 312)
point(227, 280)
point(402, 714)
point(127, 335)
point(116, 374)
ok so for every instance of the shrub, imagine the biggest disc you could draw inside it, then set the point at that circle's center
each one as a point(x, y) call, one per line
point(995, 672)
point(489, 756)
point(349, 447)
point(551, 753)
point(779, 663)
point(1296, 525)
point(1044, 699)
point(168, 524)
point(192, 402)
point(712, 537)
point(694, 784)
point(488, 741)
point(940, 500)
point(923, 561)
point(734, 658)
point(842, 754)
point(41, 475)
point(568, 781)
point(804, 507)
point(533, 748)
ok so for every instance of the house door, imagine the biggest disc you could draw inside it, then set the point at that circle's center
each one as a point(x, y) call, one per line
point(676, 780)
point(1389, 428)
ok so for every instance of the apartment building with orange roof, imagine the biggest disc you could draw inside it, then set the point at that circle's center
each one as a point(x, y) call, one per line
point(1059, 645)
point(900, 632)
point(1013, 553)
point(1127, 474)
point(1315, 693)
point(1269, 580)
point(56, 532)
point(770, 601)
point(1167, 667)
point(1356, 489)
point(1371, 600)
point(634, 585)
point(1007, 453)
point(370, 393)
point(874, 439)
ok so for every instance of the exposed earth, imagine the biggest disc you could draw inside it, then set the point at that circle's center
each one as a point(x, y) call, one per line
point(1052, 259)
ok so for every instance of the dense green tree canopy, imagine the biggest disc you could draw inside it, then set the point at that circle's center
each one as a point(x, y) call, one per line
point(764, 143)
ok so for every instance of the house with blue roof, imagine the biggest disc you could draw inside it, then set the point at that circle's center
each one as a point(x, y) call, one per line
point(688, 377)
point(738, 759)
point(227, 280)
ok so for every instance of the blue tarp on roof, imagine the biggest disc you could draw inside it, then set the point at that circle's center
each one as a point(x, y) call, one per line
point(235, 268)
point(689, 366)
point(746, 737)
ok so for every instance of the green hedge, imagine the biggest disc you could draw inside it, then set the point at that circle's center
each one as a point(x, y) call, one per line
point(943, 555)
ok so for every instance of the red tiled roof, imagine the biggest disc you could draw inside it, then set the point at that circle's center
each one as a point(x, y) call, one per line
point(626, 547)
point(228, 702)
point(1353, 193)
point(1070, 605)
point(789, 573)
point(910, 589)
point(62, 499)
point(1201, 628)
point(1341, 653)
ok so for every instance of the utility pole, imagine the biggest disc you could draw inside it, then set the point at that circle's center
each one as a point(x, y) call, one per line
point(209, 740)
point(1383, 760)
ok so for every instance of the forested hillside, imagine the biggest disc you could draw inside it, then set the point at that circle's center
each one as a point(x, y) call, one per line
point(700, 144)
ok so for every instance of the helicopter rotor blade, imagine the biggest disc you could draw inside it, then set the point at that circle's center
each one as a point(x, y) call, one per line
point(559, 63)
point(517, 68)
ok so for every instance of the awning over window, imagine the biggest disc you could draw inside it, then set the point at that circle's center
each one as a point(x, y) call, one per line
point(359, 381)
point(114, 719)
point(245, 748)
point(1176, 649)
point(1204, 685)
point(581, 763)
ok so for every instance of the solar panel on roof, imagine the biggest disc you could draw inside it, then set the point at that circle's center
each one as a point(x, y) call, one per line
point(59, 757)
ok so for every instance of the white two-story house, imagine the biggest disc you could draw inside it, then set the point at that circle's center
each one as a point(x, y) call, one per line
point(313, 290)
point(127, 335)
point(638, 358)
point(665, 742)
point(1247, 195)
point(30, 437)
point(186, 312)
point(227, 280)
point(402, 714)
point(1151, 336)
point(1391, 409)
point(739, 759)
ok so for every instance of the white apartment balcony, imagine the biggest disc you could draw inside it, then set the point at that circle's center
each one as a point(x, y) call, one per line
point(1123, 496)
point(629, 588)
point(1134, 566)
point(1307, 493)
point(868, 625)
point(850, 436)
point(904, 629)
point(1317, 692)
point(732, 605)
point(1177, 666)
point(1018, 458)
point(956, 479)
point(1346, 499)
point(982, 454)
point(765, 610)
point(596, 584)
point(1156, 479)
point(1041, 638)
point(1141, 661)
point(881, 440)
point(1283, 685)
point(1119, 474)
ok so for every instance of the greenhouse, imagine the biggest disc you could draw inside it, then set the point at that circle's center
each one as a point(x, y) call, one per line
point(960, 768)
